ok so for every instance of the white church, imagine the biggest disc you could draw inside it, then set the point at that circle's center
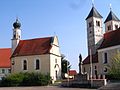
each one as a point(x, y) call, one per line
point(102, 47)
point(31, 55)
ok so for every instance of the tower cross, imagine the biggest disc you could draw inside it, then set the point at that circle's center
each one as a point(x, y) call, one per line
point(110, 6)
point(93, 3)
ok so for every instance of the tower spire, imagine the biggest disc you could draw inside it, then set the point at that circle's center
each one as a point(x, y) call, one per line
point(16, 34)
point(17, 24)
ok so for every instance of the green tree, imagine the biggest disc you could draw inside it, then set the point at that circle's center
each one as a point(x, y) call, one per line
point(114, 68)
point(65, 64)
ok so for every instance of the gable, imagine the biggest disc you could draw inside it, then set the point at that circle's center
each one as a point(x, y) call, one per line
point(55, 41)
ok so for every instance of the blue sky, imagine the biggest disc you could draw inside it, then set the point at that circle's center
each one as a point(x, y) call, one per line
point(43, 18)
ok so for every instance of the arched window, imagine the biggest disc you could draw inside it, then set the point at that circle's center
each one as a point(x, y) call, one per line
point(105, 58)
point(24, 65)
point(37, 64)
point(56, 74)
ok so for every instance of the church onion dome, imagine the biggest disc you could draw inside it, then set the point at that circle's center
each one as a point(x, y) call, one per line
point(17, 24)
point(111, 16)
point(94, 13)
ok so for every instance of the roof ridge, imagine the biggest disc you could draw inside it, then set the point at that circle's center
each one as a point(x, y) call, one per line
point(5, 48)
point(37, 38)
point(112, 31)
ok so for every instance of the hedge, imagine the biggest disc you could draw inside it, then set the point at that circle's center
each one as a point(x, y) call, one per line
point(26, 79)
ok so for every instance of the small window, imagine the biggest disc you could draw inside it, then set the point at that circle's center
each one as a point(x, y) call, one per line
point(14, 36)
point(98, 23)
point(3, 70)
point(95, 67)
point(55, 60)
point(116, 27)
point(90, 24)
point(9, 70)
point(37, 64)
point(84, 69)
point(105, 57)
point(90, 31)
point(56, 74)
point(24, 65)
point(109, 27)
point(105, 69)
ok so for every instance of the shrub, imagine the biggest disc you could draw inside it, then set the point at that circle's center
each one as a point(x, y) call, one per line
point(26, 79)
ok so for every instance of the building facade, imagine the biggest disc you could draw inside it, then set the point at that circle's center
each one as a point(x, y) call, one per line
point(40, 55)
point(102, 47)
point(35, 55)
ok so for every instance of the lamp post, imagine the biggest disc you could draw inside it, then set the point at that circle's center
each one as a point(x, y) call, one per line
point(91, 81)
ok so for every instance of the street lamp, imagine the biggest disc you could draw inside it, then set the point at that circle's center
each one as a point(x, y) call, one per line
point(91, 68)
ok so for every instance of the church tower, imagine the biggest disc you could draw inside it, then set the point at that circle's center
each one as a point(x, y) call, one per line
point(94, 30)
point(112, 22)
point(16, 34)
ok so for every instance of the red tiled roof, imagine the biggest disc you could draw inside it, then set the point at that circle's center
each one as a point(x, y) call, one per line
point(94, 59)
point(5, 54)
point(111, 39)
point(36, 46)
point(72, 72)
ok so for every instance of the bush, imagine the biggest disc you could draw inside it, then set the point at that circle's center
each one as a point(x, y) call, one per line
point(113, 76)
point(26, 79)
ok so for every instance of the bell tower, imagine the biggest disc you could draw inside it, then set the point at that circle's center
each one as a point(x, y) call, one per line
point(94, 30)
point(112, 22)
point(16, 34)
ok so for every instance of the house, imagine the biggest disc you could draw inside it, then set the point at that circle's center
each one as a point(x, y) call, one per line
point(102, 47)
point(72, 73)
point(5, 66)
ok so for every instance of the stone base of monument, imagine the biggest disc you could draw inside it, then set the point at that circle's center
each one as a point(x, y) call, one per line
point(83, 80)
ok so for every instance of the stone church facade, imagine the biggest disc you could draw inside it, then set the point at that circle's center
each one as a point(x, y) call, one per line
point(102, 47)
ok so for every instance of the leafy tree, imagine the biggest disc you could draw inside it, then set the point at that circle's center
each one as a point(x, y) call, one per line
point(65, 64)
point(114, 68)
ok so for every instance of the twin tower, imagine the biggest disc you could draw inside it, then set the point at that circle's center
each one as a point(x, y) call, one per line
point(95, 28)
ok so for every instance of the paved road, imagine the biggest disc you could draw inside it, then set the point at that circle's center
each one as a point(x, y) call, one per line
point(111, 86)
point(41, 88)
